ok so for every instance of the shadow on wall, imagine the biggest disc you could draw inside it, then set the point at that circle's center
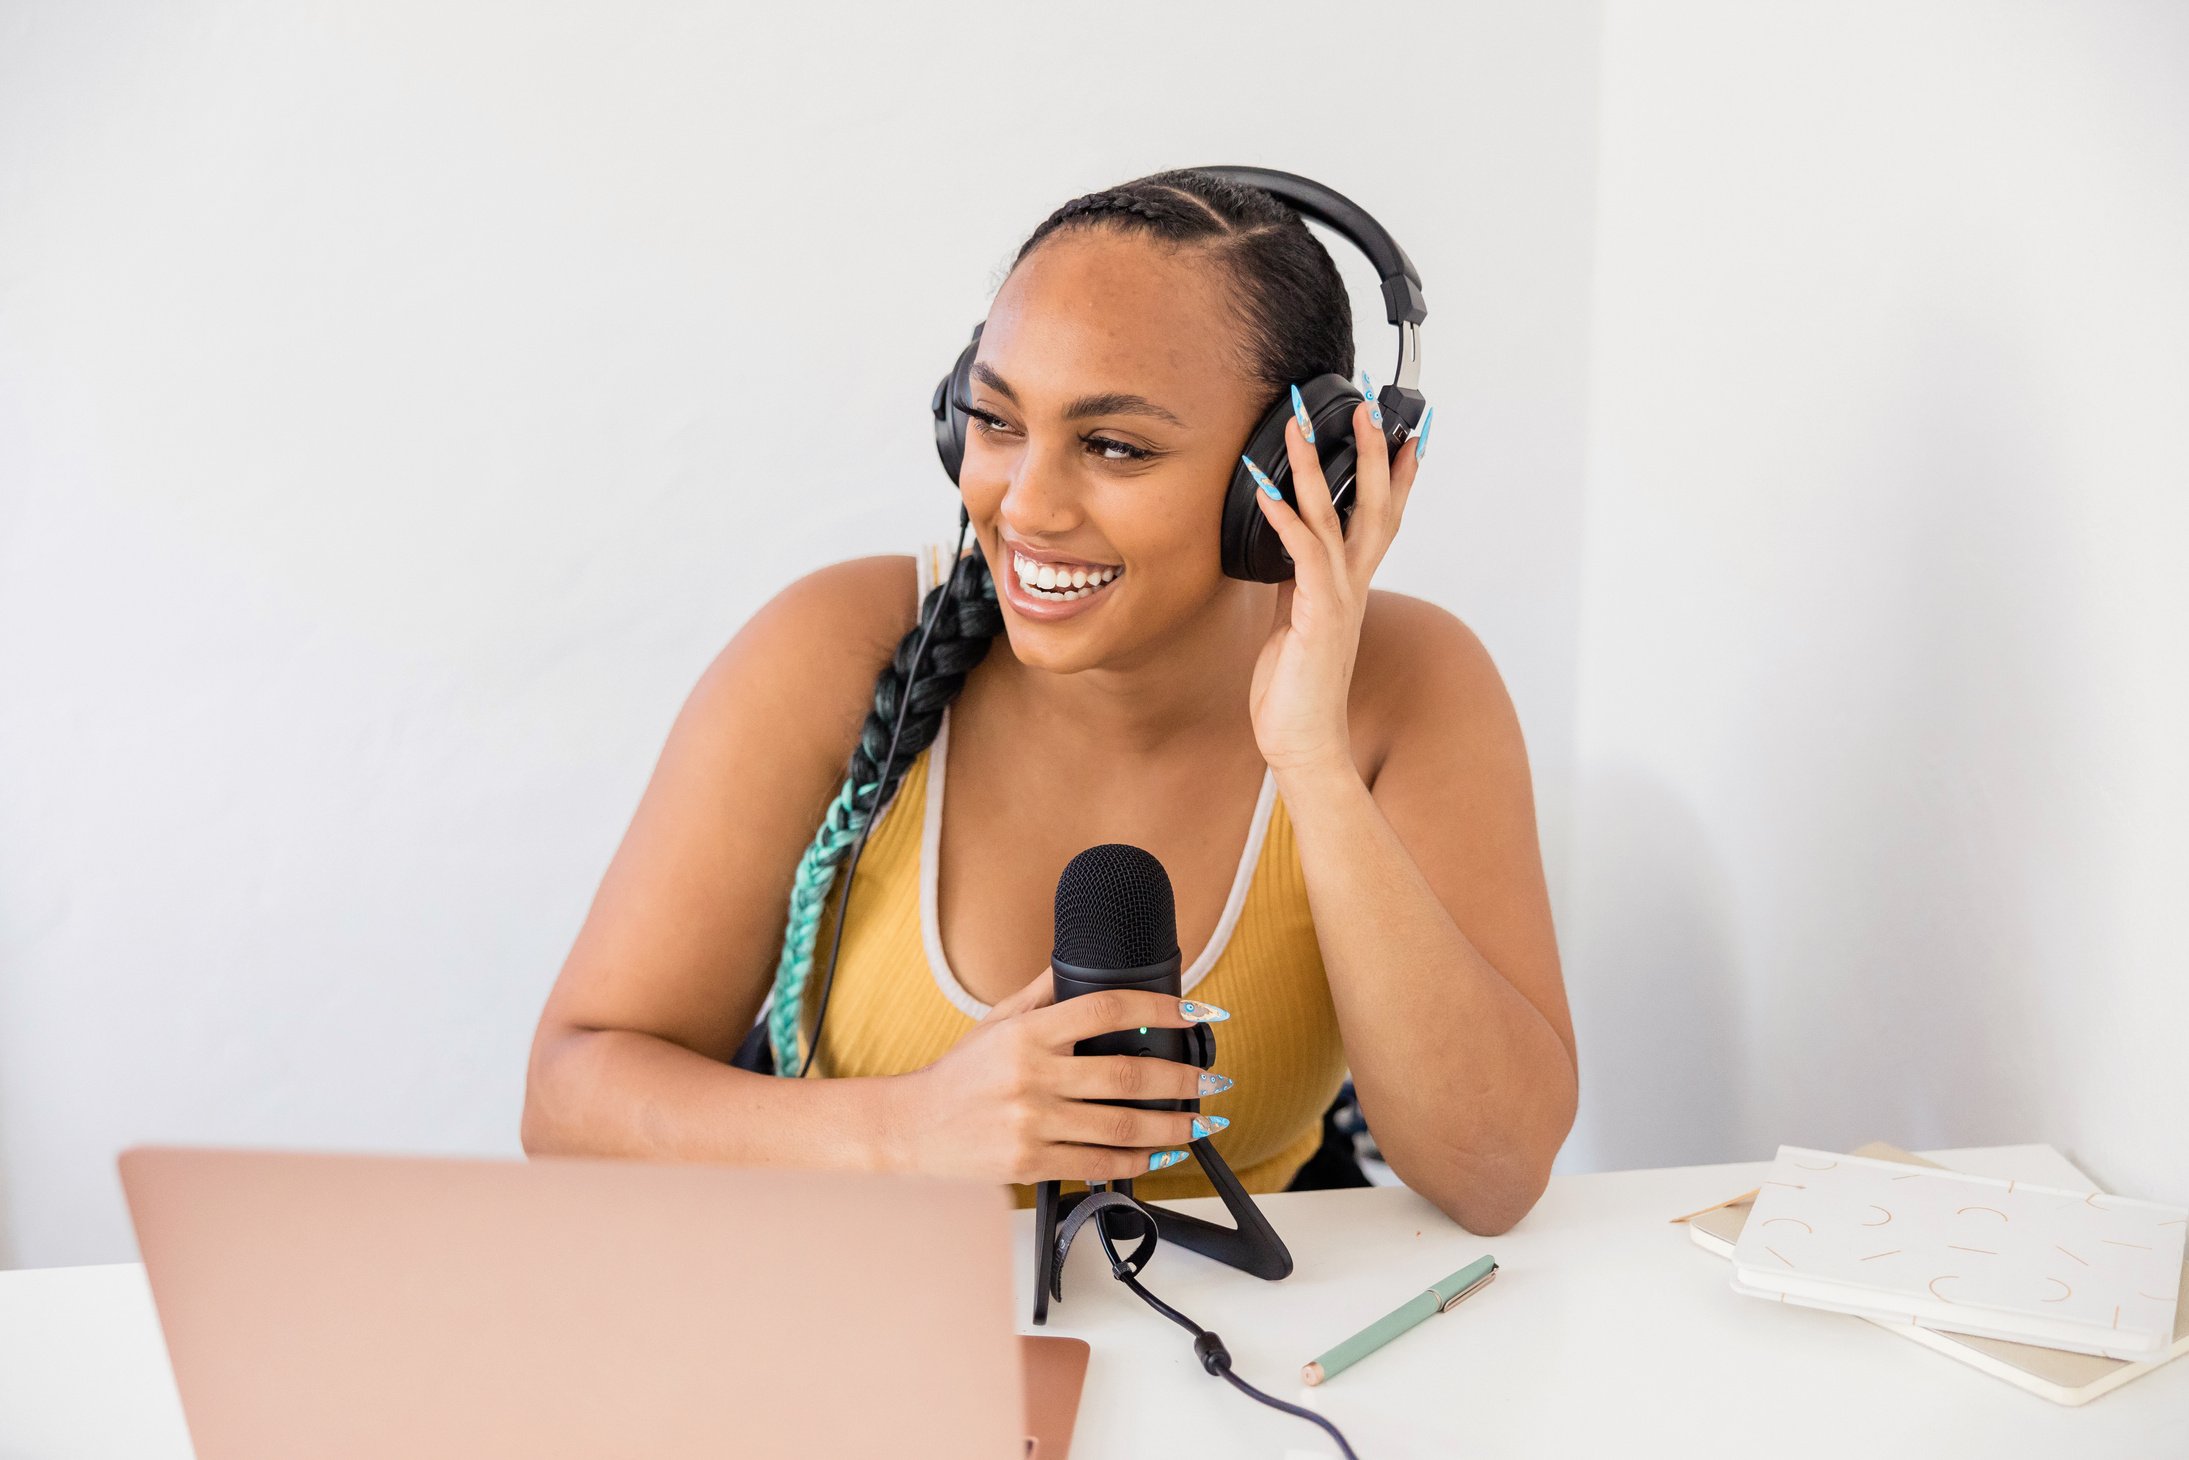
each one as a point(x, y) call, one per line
point(1878, 907)
point(7, 1205)
point(1656, 1012)
point(1953, 894)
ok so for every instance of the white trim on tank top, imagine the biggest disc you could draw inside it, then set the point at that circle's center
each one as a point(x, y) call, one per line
point(930, 879)
point(929, 565)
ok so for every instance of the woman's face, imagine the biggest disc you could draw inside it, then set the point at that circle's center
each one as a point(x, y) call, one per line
point(1108, 412)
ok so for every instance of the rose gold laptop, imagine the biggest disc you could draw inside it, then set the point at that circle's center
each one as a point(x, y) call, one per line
point(345, 1306)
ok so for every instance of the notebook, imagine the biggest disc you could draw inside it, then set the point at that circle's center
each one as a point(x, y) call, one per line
point(1970, 1254)
point(2059, 1375)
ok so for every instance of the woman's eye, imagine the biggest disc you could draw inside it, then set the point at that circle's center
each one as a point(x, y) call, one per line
point(1103, 447)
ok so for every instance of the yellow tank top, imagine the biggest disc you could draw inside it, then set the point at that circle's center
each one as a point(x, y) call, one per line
point(897, 1007)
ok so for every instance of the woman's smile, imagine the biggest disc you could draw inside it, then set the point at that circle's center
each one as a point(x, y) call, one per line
point(1051, 586)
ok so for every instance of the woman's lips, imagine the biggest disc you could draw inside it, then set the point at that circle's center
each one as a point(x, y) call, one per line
point(1049, 610)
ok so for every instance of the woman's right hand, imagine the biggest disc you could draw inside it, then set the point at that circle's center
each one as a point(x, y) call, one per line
point(1010, 1102)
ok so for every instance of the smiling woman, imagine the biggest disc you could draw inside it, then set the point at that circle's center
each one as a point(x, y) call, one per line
point(1332, 775)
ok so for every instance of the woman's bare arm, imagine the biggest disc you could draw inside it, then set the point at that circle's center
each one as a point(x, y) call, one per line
point(677, 952)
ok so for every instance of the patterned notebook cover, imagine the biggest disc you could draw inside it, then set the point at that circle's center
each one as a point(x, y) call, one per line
point(2052, 1373)
point(2034, 1264)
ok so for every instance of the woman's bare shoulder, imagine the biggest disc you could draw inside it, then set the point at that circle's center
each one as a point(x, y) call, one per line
point(682, 937)
point(1420, 670)
point(808, 657)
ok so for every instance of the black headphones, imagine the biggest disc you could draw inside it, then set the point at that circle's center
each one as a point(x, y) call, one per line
point(1251, 547)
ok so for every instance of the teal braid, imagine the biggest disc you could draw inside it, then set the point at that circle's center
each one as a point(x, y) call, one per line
point(964, 625)
point(808, 894)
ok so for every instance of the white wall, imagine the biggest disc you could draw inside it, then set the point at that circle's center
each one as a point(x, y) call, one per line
point(1884, 692)
point(399, 406)
point(397, 410)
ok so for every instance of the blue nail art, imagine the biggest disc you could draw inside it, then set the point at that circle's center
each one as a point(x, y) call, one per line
point(1368, 389)
point(1201, 1013)
point(1421, 442)
point(1215, 1084)
point(1269, 488)
point(1163, 1160)
point(1208, 1125)
point(1299, 410)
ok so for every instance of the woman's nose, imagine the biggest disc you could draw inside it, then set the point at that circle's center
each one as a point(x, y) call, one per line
point(1040, 499)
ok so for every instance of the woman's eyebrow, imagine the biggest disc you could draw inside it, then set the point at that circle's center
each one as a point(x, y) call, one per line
point(1109, 403)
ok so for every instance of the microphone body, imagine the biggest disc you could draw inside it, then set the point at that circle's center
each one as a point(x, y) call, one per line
point(1117, 928)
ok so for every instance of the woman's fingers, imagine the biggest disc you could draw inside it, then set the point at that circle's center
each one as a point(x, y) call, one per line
point(1040, 991)
point(1311, 491)
point(1405, 466)
point(1312, 561)
point(1126, 1127)
point(1106, 1163)
point(1369, 531)
point(1310, 488)
point(1063, 1025)
point(1125, 1077)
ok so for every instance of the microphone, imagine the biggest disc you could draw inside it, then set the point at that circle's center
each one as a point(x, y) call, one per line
point(1117, 928)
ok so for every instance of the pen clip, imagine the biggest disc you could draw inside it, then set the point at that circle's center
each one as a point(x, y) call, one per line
point(1468, 1291)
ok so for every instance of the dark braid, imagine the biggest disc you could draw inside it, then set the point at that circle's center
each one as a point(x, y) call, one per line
point(970, 620)
point(966, 623)
point(1294, 322)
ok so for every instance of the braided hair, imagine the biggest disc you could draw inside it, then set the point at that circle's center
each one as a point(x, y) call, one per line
point(1294, 322)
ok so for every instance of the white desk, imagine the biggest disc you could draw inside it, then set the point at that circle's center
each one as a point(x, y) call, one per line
point(1608, 1331)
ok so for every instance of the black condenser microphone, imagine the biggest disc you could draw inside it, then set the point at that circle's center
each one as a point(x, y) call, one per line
point(1117, 928)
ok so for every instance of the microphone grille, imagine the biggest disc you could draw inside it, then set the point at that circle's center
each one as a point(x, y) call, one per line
point(1114, 909)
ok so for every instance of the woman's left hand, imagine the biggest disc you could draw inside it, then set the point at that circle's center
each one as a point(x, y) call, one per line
point(1305, 670)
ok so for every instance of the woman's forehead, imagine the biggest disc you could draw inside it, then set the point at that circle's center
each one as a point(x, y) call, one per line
point(1102, 311)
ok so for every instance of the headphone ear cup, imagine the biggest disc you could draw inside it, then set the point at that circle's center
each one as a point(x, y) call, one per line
point(951, 423)
point(1251, 548)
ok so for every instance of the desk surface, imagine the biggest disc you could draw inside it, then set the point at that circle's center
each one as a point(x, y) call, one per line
point(1607, 1331)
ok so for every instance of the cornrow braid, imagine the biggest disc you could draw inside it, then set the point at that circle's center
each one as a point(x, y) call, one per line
point(1295, 320)
point(966, 623)
point(1113, 202)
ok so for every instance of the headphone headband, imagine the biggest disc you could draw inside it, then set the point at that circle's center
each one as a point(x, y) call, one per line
point(1403, 303)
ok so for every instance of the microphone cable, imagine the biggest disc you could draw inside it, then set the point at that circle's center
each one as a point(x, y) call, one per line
point(1207, 1347)
point(881, 779)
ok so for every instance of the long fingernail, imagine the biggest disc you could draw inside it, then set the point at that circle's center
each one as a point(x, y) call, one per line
point(1299, 410)
point(1201, 1013)
point(1215, 1084)
point(1208, 1125)
point(1162, 1160)
point(1421, 442)
point(1269, 488)
point(1368, 389)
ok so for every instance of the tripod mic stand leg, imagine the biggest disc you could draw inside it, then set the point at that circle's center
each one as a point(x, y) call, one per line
point(1252, 1246)
point(1045, 1219)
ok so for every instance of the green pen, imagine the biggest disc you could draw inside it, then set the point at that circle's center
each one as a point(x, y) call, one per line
point(1442, 1298)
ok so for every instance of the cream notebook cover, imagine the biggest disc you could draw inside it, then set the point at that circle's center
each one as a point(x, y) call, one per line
point(2057, 1374)
point(1971, 1254)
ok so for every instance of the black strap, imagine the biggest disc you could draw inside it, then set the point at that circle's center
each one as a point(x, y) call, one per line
point(1101, 1201)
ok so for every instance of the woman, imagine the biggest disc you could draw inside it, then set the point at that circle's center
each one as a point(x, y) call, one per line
point(1332, 776)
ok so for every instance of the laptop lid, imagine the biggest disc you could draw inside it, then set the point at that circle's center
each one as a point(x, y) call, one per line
point(364, 1305)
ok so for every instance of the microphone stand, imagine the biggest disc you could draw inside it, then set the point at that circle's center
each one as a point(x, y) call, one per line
point(1252, 1245)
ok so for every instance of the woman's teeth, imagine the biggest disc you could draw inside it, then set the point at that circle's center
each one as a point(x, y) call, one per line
point(1059, 581)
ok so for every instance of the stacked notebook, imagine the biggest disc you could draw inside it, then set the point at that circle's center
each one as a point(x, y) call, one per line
point(2066, 1293)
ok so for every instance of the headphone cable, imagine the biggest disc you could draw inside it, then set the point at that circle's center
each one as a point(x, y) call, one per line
point(889, 760)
